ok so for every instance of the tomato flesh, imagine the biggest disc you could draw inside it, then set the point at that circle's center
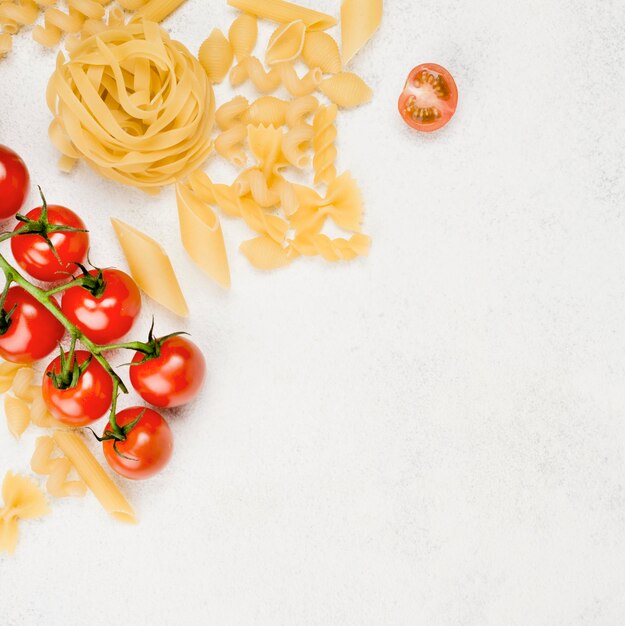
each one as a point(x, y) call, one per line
point(14, 182)
point(83, 404)
point(147, 448)
point(173, 378)
point(107, 317)
point(33, 331)
point(34, 255)
point(429, 98)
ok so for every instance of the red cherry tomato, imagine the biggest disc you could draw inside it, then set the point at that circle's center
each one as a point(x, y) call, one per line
point(109, 316)
point(172, 378)
point(34, 255)
point(429, 98)
point(88, 401)
point(147, 447)
point(32, 333)
point(14, 181)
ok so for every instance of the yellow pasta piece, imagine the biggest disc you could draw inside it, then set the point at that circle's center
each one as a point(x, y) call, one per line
point(143, 117)
point(22, 386)
point(266, 111)
point(332, 250)
point(216, 56)
point(231, 113)
point(286, 43)
point(359, 21)
point(342, 203)
point(266, 145)
point(201, 235)
point(323, 142)
point(39, 414)
point(321, 50)
point(158, 10)
point(243, 34)
point(131, 5)
point(6, 43)
point(265, 254)
point(295, 144)
point(23, 499)
point(17, 415)
point(230, 145)
point(300, 109)
point(8, 372)
point(57, 469)
point(150, 267)
point(347, 90)
point(94, 476)
point(285, 12)
point(297, 86)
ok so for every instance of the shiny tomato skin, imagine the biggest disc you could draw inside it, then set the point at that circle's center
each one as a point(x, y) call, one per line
point(83, 404)
point(34, 255)
point(147, 448)
point(108, 317)
point(14, 182)
point(33, 331)
point(429, 98)
point(174, 377)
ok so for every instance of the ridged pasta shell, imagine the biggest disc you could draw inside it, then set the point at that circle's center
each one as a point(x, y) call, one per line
point(266, 110)
point(320, 50)
point(286, 43)
point(216, 56)
point(243, 34)
point(347, 90)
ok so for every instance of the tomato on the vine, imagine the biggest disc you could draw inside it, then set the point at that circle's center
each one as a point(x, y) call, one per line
point(14, 181)
point(429, 98)
point(147, 446)
point(34, 254)
point(30, 332)
point(84, 402)
point(173, 376)
point(105, 311)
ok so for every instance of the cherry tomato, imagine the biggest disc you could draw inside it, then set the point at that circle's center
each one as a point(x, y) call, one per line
point(107, 317)
point(14, 181)
point(35, 256)
point(32, 333)
point(88, 401)
point(147, 447)
point(172, 378)
point(429, 98)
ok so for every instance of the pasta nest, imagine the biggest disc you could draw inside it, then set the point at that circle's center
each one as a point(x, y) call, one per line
point(134, 104)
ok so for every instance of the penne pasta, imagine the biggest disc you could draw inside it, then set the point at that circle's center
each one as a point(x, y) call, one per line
point(285, 12)
point(158, 10)
point(359, 21)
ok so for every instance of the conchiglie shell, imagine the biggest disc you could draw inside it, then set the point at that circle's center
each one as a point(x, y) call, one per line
point(286, 43)
point(17, 415)
point(216, 56)
point(320, 50)
point(265, 254)
point(266, 110)
point(347, 90)
point(243, 34)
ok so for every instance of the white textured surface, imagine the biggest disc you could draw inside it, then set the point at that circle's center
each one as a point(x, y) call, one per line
point(434, 436)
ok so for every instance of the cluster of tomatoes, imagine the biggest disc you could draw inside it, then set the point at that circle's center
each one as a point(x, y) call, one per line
point(98, 307)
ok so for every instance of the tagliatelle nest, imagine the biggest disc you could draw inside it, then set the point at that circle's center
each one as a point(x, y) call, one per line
point(134, 104)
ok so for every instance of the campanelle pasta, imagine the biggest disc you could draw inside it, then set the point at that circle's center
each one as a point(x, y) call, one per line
point(359, 21)
point(143, 118)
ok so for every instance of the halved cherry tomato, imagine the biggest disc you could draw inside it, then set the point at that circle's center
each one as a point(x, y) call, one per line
point(147, 448)
point(173, 377)
point(35, 256)
point(14, 181)
point(84, 403)
point(31, 332)
point(429, 98)
point(106, 316)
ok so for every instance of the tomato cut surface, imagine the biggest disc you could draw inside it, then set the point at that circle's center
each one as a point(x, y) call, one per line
point(429, 98)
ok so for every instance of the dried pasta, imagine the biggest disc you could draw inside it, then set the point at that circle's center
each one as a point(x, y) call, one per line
point(359, 21)
point(231, 113)
point(324, 137)
point(201, 235)
point(285, 12)
point(299, 110)
point(94, 476)
point(342, 203)
point(57, 22)
point(286, 43)
point(150, 267)
point(266, 254)
point(23, 499)
point(158, 10)
point(216, 56)
point(266, 111)
point(295, 144)
point(8, 372)
point(281, 74)
point(57, 469)
point(230, 144)
point(346, 89)
point(243, 34)
point(143, 118)
point(17, 415)
point(321, 50)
